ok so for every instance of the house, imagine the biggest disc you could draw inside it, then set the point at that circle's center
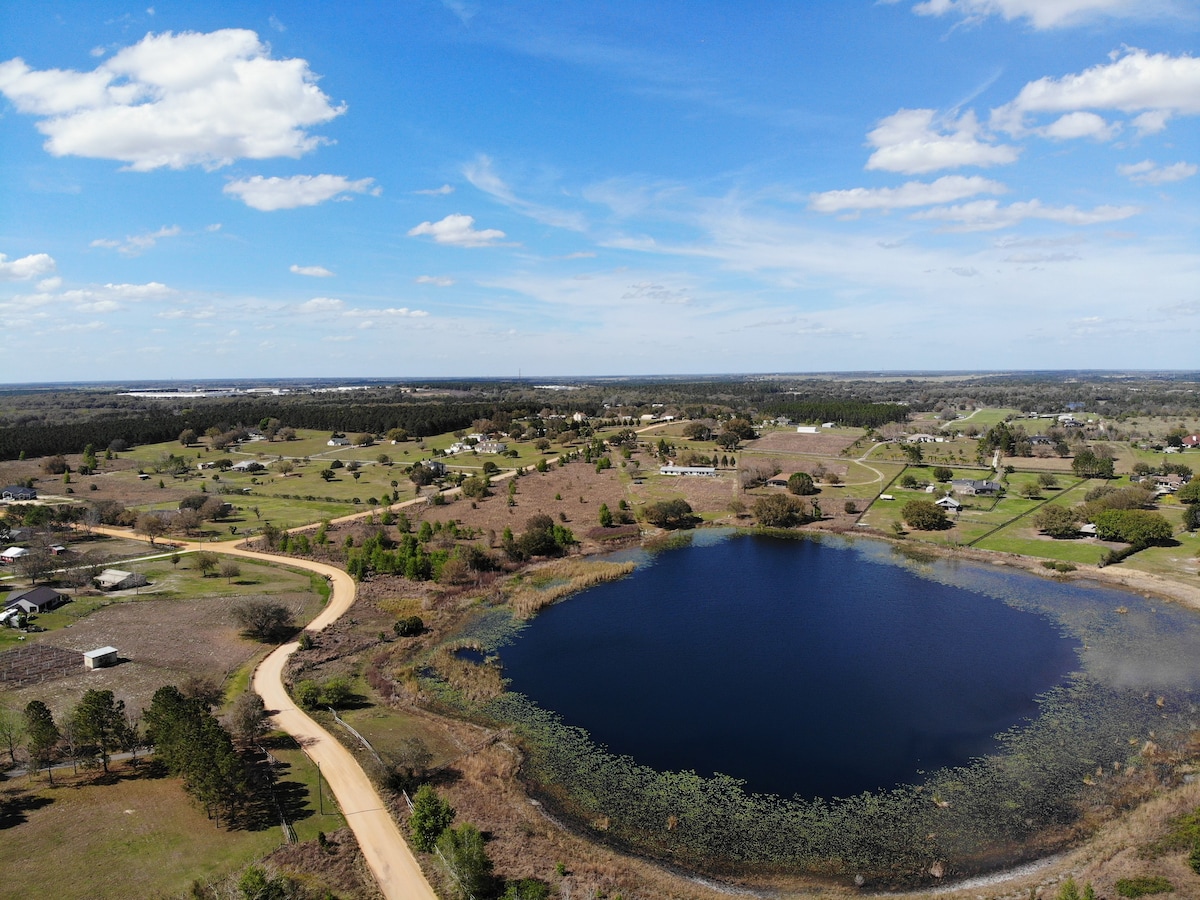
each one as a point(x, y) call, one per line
point(807, 429)
point(338, 442)
point(247, 465)
point(970, 487)
point(949, 504)
point(491, 446)
point(778, 481)
point(18, 492)
point(1191, 440)
point(437, 468)
point(701, 471)
point(926, 439)
point(35, 600)
point(12, 554)
point(118, 580)
point(101, 658)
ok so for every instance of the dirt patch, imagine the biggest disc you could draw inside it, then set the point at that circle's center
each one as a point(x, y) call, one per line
point(336, 865)
point(37, 663)
point(828, 444)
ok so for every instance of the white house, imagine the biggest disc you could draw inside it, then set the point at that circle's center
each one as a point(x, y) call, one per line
point(702, 471)
point(491, 446)
point(807, 429)
point(338, 442)
point(948, 504)
point(118, 580)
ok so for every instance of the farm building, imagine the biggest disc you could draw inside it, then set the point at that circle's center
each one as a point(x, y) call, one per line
point(702, 471)
point(12, 554)
point(18, 492)
point(338, 442)
point(100, 658)
point(807, 429)
point(118, 580)
point(35, 600)
point(970, 487)
point(247, 465)
point(948, 503)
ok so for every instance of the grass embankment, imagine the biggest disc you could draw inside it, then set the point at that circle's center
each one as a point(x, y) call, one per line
point(534, 590)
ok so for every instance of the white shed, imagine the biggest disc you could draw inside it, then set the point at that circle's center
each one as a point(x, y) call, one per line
point(99, 659)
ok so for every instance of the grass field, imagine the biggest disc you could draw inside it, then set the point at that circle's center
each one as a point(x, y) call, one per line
point(137, 837)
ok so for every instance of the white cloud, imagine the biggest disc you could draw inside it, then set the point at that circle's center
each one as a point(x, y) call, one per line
point(32, 266)
point(436, 192)
point(1134, 82)
point(1043, 14)
point(402, 312)
point(913, 142)
point(269, 194)
point(135, 244)
point(988, 215)
point(46, 285)
point(458, 230)
point(914, 193)
point(436, 280)
point(176, 100)
point(311, 271)
point(1080, 125)
point(1150, 172)
point(322, 305)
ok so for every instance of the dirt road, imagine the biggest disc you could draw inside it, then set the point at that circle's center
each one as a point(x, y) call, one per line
point(384, 848)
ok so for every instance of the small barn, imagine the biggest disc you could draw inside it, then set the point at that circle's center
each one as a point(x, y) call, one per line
point(118, 580)
point(100, 658)
point(12, 554)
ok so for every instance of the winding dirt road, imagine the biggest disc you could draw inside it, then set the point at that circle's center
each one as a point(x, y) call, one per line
point(387, 853)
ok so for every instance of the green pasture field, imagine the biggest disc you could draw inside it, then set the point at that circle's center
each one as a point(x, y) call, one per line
point(1178, 563)
point(982, 419)
point(1024, 540)
point(137, 837)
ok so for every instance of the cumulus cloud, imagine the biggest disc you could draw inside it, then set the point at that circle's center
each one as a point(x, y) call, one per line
point(988, 215)
point(269, 194)
point(1156, 85)
point(1042, 14)
point(457, 230)
point(311, 271)
point(33, 266)
point(914, 193)
point(176, 100)
point(322, 305)
point(137, 243)
point(435, 280)
point(1150, 172)
point(1081, 125)
point(914, 142)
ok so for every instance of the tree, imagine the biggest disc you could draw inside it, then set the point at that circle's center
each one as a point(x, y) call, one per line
point(12, 729)
point(431, 816)
point(1191, 517)
point(1056, 521)
point(780, 511)
point(913, 454)
point(1088, 464)
point(1190, 492)
point(669, 514)
point(248, 718)
point(409, 626)
point(327, 475)
point(187, 437)
point(214, 509)
point(264, 620)
point(476, 488)
point(230, 570)
point(257, 884)
point(1047, 480)
point(336, 691)
point(41, 736)
point(801, 484)
point(205, 562)
point(924, 515)
point(942, 473)
point(605, 516)
point(308, 694)
point(1138, 527)
point(99, 720)
point(187, 521)
point(151, 525)
point(466, 856)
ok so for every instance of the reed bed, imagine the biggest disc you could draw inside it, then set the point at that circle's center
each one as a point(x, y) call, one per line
point(536, 590)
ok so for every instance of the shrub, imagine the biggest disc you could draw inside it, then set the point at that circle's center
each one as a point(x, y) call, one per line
point(308, 694)
point(431, 816)
point(1143, 886)
point(408, 626)
point(669, 514)
point(801, 484)
point(780, 511)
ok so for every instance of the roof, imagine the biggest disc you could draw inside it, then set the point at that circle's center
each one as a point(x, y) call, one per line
point(19, 490)
point(100, 652)
point(37, 596)
point(15, 552)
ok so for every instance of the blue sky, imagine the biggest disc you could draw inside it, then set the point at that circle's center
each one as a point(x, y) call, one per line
point(422, 188)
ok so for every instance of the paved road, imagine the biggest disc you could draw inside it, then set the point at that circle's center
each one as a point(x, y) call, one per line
point(387, 854)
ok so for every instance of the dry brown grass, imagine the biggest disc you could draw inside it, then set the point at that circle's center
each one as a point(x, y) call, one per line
point(537, 588)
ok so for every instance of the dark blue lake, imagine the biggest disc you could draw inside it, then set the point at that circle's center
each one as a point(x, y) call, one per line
point(797, 665)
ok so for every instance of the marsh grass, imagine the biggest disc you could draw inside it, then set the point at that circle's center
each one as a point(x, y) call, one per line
point(551, 583)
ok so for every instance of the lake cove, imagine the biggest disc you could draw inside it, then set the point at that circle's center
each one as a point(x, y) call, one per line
point(792, 665)
point(848, 695)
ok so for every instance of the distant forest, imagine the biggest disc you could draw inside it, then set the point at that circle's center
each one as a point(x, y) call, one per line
point(42, 420)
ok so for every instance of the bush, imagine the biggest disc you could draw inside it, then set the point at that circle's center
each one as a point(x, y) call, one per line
point(1143, 886)
point(431, 816)
point(669, 514)
point(409, 626)
point(264, 620)
point(308, 694)
point(780, 511)
point(801, 484)
point(336, 691)
point(924, 515)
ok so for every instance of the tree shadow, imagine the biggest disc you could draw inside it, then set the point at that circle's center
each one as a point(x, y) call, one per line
point(16, 805)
